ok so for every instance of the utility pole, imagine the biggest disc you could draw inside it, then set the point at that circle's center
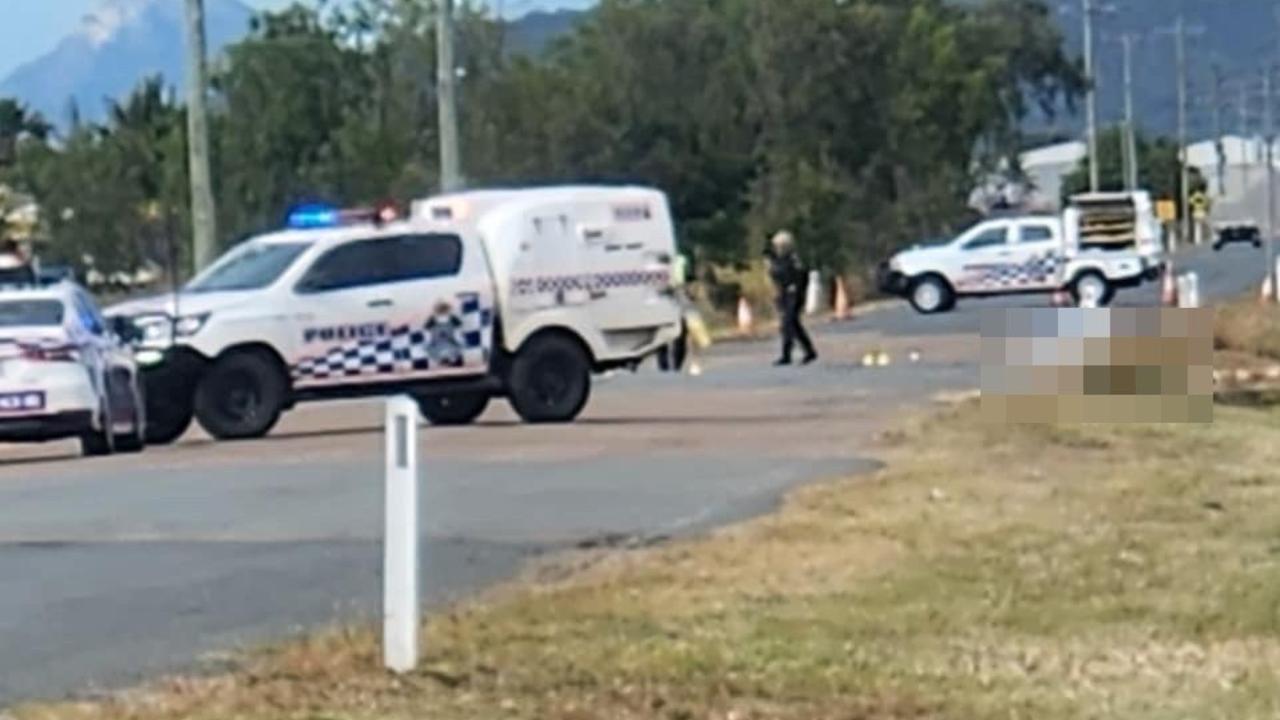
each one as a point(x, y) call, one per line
point(447, 99)
point(1130, 148)
point(1268, 131)
point(1184, 176)
point(1247, 150)
point(1219, 150)
point(203, 213)
point(1091, 95)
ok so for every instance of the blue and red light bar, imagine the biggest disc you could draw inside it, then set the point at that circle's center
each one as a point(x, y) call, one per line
point(315, 216)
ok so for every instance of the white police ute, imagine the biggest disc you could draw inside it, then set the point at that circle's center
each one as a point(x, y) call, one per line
point(1102, 242)
point(521, 294)
point(64, 373)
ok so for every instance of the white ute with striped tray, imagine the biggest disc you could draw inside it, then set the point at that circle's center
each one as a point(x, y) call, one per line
point(522, 294)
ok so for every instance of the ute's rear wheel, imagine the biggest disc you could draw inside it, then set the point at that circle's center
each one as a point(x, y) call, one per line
point(550, 380)
point(100, 441)
point(135, 440)
point(1091, 289)
point(453, 409)
point(241, 396)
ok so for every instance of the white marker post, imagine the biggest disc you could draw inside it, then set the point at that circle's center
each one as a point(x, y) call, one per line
point(400, 540)
point(813, 298)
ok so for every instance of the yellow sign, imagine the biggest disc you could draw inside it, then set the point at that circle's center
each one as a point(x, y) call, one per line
point(1167, 210)
point(1199, 205)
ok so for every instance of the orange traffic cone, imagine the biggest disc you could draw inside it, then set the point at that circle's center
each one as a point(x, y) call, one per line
point(841, 310)
point(746, 321)
point(1169, 288)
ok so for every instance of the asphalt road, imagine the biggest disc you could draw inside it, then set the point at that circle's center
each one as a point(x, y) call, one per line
point(114, 570)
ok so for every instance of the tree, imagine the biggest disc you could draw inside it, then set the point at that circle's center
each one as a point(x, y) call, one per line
point(1159, 170)
point(17, 122)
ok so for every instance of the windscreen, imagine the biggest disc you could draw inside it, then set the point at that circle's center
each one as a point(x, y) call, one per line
point(249, 267)
point(30, 313)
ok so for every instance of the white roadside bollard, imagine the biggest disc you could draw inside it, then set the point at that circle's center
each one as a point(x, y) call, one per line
point(1275, 277)
point(400, 538)
point(813, 297)
point(1189, 290)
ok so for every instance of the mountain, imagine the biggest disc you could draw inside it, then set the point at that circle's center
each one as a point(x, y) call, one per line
point(1238, 37)
point(534, 32)
point(123, 41)
point(116, 46)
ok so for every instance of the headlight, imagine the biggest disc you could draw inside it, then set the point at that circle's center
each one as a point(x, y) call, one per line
point(189, 325)
point(154, 330)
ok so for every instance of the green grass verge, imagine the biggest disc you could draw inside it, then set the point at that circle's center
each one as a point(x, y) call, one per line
point(989, 572)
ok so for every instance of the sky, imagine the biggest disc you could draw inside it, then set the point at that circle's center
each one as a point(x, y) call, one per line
point(33, 27)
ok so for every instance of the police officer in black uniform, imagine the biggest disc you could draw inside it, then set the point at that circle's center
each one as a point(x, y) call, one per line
point(791, 282)
point(16, 265)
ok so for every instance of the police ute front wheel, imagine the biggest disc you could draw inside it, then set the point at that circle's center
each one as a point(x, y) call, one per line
point(455, 409)
point(241, 396)
point(930, 295)
point(168, 420)
point(550, 380)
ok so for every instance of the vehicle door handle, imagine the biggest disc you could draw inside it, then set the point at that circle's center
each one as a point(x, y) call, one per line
point(380, 303)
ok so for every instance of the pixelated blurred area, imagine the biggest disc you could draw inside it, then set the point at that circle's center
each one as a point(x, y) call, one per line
point(1097, 365)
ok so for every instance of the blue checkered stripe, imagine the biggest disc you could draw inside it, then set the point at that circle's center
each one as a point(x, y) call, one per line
point(547, 285)
point(457, 339)
point(1040, 270)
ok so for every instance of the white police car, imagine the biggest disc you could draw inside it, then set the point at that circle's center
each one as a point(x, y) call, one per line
point(64, 373)
point(515, 293)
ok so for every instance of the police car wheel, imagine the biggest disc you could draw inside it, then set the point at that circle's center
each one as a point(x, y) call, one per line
point(455, 409)
point(99, 443)
point(550, 380)
point(134, 441)
point(930, 295)
point(168, 421)
point(240, 397)
point(1091, 289)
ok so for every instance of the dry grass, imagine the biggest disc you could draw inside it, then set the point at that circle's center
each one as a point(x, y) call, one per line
point(1247, 327)
point(1090, 572)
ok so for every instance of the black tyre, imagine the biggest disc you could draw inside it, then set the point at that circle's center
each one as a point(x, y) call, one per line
point(549, 380)
point(241, 396)
point(456, 409)
point(168, 420)
point(1092, 287)
point(135, 440)
point(99, 443)
point(931, 294)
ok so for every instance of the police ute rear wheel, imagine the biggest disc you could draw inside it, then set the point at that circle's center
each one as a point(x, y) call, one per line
point(241, 397)
point(455, 409)
point(931, 295)
point(1091, 289)
point(99, 442)
point(135, 440)
point(550, 380)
